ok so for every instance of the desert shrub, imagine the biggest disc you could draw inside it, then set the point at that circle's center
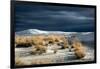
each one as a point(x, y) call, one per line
point(23, 41)
point(59, 40)
point(40, 42)
point(41, 49)
point(79, 54)
point(78, 49)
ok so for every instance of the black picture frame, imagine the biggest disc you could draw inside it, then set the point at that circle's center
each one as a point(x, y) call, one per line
point(12, 62)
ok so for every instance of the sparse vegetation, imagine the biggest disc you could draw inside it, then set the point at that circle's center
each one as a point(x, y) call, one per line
point(39, 45)
point(78, 49)
point(41, 42)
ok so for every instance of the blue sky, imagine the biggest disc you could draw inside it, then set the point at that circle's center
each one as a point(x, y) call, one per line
point(54, 18)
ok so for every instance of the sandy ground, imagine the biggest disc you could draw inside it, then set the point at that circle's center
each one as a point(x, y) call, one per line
point(24, 57)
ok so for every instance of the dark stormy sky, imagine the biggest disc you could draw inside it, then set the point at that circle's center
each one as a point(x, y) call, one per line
point(54, 18)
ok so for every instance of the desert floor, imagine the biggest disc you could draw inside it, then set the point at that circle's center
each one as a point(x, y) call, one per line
point(24, 57)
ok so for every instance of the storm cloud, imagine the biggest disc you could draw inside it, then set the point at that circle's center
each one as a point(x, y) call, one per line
point(54, 18)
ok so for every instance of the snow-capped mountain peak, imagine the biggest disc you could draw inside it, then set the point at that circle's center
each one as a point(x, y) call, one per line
point(37, 31)
point(32, 31)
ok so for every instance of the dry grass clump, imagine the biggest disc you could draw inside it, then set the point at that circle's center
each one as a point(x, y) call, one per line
point(59, 40)
point(40, 42)
point(23, 41)
point(39, 50)
point(79, 49)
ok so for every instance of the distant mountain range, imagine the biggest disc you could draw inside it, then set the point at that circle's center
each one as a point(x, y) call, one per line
point(36, 32)
point(84, 36)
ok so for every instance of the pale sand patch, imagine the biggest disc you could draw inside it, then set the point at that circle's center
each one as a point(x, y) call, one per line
point(62, 56)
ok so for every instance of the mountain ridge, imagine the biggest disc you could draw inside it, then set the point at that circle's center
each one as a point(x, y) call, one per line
point(37, 31)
